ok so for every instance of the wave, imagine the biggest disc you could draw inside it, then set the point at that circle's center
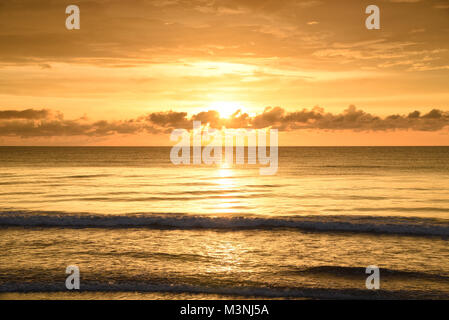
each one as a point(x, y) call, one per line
point(344, 271)
point(362, 224)
point(85, 176)
point(398, 209)
point(184, 257)
point(239, 291)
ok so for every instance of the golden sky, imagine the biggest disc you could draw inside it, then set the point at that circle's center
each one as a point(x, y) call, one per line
point(136, 69)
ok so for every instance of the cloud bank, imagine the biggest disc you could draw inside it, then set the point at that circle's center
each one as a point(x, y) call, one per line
point(46, 123)
point(29, 114)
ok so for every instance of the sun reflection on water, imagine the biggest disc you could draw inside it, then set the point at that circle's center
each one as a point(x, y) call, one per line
point(227, 182)
point(228, 254)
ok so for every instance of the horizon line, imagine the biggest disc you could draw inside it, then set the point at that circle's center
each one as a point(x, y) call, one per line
point(169, 146)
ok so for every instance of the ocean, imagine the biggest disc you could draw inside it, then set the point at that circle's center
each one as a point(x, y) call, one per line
point(140, 227)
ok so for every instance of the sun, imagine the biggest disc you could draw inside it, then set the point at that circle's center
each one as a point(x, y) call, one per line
point(226, 108)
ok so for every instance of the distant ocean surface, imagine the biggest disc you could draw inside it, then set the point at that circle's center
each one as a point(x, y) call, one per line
point(140, 227)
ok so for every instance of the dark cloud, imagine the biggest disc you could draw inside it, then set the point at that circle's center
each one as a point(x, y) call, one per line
point(172, 119)
point(48, 126)
point(238, 120)
point(359, 120)
point(25, 114)
point(42, 123)
point(270, 117)
point(169, 119)
point(316, 118)
point(212, 117)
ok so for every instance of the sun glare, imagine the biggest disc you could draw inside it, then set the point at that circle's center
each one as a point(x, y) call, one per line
point(226, 108)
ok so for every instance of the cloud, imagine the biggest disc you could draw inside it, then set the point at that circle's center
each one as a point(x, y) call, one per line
point(169, 119)
point(25, 114)
point(52, 128)
point(359, 120)
point(146, 32)
point(42, 123)
point(271, 117)
point(45, 123)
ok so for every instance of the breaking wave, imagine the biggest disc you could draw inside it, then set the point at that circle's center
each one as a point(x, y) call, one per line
point(361, 224)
